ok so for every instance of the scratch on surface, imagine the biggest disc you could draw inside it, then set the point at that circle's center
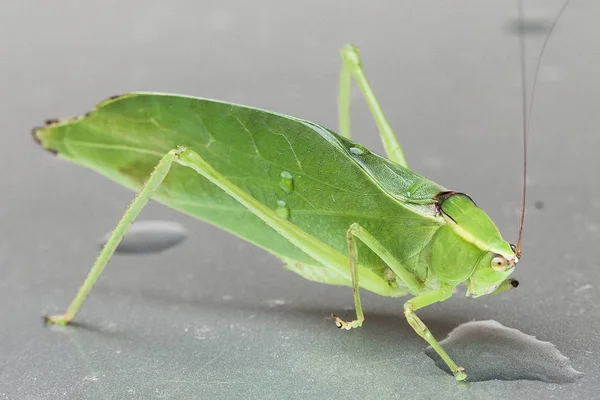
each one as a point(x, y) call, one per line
point(167, 394)
point(212, 360)
point(199, 382)
point(583, 288)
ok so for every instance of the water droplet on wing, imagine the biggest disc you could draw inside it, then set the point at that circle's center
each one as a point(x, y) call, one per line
point(286, 182)
point(358, 150)
point(282, 209)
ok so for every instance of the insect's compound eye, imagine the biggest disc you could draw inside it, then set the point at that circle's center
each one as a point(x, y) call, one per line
point(499, 263)
point(513, 248)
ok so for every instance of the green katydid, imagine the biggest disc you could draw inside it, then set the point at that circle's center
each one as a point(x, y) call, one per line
point(330, 209)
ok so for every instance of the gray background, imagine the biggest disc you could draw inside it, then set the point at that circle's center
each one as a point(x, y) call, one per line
point(216, 317)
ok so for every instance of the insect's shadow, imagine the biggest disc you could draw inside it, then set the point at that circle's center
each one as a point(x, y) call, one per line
point(377, 323)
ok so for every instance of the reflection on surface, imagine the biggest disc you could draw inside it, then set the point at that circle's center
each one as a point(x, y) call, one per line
point(146, 237)
point(489, 350)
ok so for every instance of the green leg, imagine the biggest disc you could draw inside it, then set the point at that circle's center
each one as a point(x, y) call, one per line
point(344, 100)
point(352, 257)
point(423, 300)
point(351, 66)
point(357, 231)
point(136, 206)
point(413, 284)
point(319, 251)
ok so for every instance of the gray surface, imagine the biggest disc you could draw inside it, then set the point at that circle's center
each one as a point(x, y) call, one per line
point(217, 318)
point(494, 351)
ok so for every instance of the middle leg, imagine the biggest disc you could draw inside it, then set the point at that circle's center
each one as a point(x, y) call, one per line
point(424, 300)
point(356, 231)
point(352, 257)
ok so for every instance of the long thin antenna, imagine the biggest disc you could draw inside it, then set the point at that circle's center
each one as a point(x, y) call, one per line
point(539, 61)
point(527, 113)
point(521, 32)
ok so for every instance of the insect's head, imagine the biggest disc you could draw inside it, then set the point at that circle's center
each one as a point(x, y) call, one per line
point(493, 269)
point(470, 239)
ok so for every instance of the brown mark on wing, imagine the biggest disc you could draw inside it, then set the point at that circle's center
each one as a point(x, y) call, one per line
point(38, 140)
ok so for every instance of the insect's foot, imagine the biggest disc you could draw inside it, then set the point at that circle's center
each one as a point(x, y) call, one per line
point(459, 374)
point(340, 323)
point(56, 320)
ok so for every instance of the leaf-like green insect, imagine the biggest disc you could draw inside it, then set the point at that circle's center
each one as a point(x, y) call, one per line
point(333, 211)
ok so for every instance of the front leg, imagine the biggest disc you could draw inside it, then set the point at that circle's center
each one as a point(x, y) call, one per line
point(424, 300)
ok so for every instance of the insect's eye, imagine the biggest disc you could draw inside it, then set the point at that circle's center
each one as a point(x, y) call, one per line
point(499, 264)
point(513, 248)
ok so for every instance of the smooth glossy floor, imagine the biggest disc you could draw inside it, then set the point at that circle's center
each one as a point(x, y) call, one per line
point(215, 317)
